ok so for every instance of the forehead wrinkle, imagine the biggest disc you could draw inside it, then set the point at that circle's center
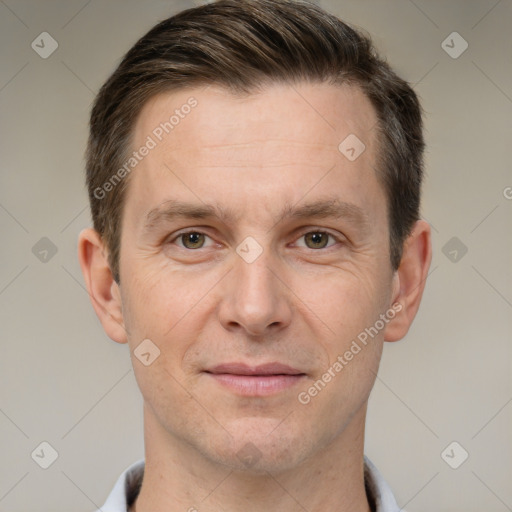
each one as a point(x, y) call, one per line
point(240, 152)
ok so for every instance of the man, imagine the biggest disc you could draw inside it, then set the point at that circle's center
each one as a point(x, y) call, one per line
point(254, 172)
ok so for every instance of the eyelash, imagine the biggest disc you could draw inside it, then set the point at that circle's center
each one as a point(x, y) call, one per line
point(315, 231)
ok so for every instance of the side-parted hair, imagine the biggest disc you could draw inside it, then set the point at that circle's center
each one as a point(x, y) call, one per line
point(244, 45)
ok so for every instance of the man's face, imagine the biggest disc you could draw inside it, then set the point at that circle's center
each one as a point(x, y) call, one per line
point(261, 284)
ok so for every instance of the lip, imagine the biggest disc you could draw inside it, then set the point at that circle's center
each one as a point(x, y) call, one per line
point(273, 368)
point(262, 380)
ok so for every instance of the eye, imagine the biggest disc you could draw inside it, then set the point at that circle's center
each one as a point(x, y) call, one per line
point(317, 239)
point(191, 239)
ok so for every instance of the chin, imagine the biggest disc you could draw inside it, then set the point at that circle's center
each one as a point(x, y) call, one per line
point(258, 447)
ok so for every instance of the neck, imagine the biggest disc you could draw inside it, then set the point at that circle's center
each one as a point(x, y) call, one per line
point(179, 478)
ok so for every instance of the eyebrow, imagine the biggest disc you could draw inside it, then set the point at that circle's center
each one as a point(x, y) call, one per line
point(321, 209)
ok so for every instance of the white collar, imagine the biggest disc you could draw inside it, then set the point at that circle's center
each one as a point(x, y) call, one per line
point(128, 484)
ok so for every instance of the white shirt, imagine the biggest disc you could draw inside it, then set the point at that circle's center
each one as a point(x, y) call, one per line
point(128, 484)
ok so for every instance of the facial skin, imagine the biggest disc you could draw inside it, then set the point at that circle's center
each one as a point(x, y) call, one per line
point(302, 301)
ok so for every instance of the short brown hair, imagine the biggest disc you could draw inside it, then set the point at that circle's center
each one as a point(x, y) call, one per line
point(242, 45)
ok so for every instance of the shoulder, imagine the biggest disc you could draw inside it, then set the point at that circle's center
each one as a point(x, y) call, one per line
point(379, 493)
point(125, 489)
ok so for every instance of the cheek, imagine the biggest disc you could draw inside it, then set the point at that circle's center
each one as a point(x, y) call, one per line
point(168, 308)
point(350, 302)
point(353, 348)
point(157, 299)
point(346, 300)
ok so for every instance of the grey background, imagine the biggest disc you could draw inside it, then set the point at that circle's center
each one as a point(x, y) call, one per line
point(64, 382)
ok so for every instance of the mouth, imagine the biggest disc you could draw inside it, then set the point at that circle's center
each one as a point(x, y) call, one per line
point(261, 380)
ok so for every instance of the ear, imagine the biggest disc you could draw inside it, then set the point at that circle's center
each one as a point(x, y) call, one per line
point(103, 290)
point(409, 280)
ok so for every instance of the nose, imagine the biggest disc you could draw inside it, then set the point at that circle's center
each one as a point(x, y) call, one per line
point(256, 298)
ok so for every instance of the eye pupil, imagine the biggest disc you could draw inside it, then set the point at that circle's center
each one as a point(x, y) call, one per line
point(193, 240)
point(319, 239)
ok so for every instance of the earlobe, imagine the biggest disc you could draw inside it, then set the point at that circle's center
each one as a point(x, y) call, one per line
point(103, 290)
point(409, 280)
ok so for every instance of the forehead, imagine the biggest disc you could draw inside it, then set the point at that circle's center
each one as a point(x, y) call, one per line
point(285, 138)
point(309, 114)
